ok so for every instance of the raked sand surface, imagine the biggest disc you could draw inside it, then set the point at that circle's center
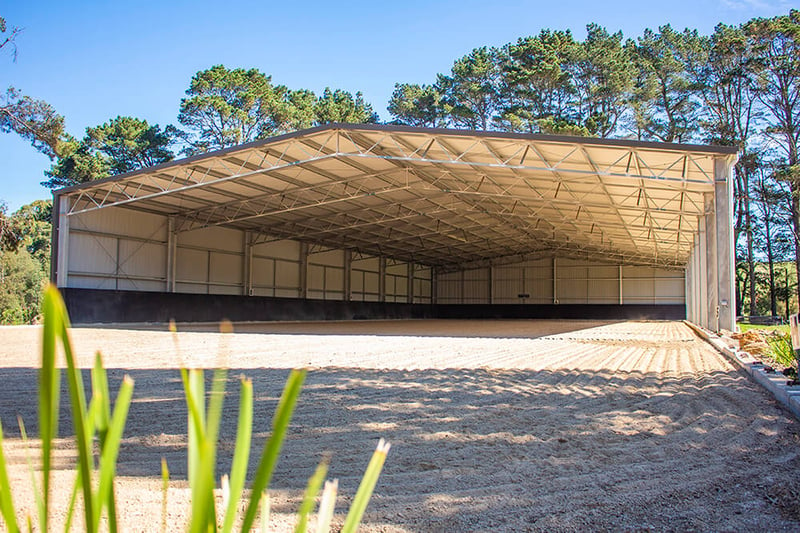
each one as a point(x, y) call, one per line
point(519, 425)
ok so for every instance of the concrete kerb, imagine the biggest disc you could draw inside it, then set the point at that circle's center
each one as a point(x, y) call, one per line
point(774, 382)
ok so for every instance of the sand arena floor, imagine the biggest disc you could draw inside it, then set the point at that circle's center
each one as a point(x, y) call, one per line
point(495, 425)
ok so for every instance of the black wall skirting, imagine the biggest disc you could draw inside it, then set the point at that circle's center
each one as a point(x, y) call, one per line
point(88, 306)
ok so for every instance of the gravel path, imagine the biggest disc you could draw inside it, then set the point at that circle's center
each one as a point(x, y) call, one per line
point(495, 425)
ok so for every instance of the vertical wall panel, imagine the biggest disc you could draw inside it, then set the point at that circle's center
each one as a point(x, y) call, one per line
point(396, 281)
point(422, 284)
point(578, 281)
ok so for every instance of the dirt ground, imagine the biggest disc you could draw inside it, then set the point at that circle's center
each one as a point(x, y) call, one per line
point(495, 425)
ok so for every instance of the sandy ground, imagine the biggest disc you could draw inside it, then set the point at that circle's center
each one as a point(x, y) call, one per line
point(495, 425)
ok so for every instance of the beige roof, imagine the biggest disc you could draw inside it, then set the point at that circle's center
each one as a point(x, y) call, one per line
point(434, 196)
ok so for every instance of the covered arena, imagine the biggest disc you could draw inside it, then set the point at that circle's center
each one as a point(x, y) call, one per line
point(374, 221)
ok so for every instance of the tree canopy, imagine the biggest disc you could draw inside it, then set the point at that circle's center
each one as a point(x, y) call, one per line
point(120, 145)
point(225, 107)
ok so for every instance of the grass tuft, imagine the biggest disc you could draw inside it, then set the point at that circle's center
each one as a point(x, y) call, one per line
point(98, 421)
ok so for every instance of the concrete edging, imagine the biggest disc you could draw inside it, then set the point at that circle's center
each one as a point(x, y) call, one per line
point(774, 382)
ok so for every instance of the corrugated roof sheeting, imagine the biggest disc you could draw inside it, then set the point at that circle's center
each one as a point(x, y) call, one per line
point(436, 197)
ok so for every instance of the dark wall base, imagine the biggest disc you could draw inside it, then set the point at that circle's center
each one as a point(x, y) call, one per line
point(87, 306)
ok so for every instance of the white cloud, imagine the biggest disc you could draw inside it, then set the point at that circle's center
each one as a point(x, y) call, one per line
point(757, 7)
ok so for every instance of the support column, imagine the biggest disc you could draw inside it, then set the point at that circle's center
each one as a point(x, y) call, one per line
point(696, 277)
point(490, 269)
point(172, 251)
point(434, 285)
point(620, 285)
point(303, 289)
point(247, 264)
point(711, 264)
point(62, 254)
point(410, 286)
point(382, 279)
point(687, 288)
point(726, 266)
point(702, 273)
point(348, 275)
point(555, 280)
point(695, 282)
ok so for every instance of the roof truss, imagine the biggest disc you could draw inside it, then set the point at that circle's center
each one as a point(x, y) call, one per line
point(438, 197)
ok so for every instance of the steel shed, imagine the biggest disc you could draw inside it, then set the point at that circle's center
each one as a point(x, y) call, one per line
point(370, 221)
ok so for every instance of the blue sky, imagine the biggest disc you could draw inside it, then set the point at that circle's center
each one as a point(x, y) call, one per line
point(94, 60)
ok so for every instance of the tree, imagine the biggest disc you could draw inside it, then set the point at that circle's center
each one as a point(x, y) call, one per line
point(772, 234)
point(538, 89)
point(9, 234)
point(776, 44)
point(341, 106)
point(34, 120)
point(24, 260)
point(417, 105)
point(131, 143)
point(602, 73)
point(301, 109)
point(21, 282)
point(34, 225)
point(120, 145)
point(726, 85)
point(663, 100)
point(227, 107)
point(8, 37)
point(77, 164)
point(470, 91)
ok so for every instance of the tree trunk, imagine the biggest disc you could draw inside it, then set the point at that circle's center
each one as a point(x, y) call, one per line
point(773, 303)
point(796, 223)
point(751, 266)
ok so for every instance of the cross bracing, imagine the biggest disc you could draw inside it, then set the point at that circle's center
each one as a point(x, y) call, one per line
point(438, 197)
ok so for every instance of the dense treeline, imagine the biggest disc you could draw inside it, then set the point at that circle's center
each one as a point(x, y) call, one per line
point(739, 86)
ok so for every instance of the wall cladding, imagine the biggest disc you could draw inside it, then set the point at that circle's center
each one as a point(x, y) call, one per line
point(120, 249)
point(562, 281)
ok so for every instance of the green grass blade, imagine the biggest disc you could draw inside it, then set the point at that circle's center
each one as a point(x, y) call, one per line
point(215, 403)
point(49, 391)
point(164, 491)
point(110, 451)
point(366, 487)
point(326, 506)
point(194, 391)
point(201, 478)
point(272, 450)
point(100, 392)
point(6, 502)
point(208, 453)
point(79, 419)
point(241, 452)
point(312, 489)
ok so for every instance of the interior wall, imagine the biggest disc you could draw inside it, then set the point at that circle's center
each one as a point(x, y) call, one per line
point(117, 249)
point(121, 249)
point(562, 281)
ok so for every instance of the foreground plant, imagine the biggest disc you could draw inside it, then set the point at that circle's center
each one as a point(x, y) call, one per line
point(97, 421)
